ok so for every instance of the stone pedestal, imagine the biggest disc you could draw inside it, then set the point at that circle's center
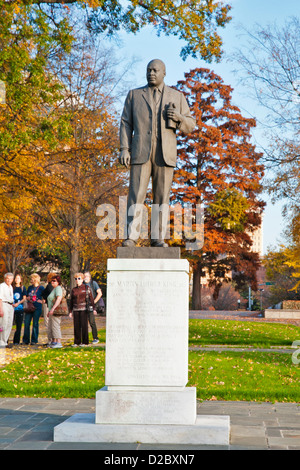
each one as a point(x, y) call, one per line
point(145, 397)
point(145, 252)
point(147, 323)
point(207, 430)
point(147, 344)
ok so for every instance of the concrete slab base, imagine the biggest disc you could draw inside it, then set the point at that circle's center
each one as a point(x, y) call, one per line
point(81, 427)
point(283, 314)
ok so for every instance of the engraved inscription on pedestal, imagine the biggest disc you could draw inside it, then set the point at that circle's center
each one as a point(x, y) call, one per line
point(147, 329)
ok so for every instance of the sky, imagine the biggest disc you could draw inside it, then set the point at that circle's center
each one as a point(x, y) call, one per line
point(146, 45)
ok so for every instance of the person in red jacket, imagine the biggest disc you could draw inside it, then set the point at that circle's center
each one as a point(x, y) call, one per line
point(80, 303)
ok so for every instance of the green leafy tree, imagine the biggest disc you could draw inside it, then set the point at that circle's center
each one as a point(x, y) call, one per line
point(229, 208)
point(27, 127)
point(283, 272)
point(194, 21)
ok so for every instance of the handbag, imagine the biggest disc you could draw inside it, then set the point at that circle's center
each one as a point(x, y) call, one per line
point(62, 309)
point(100, 306)
point(30, 308)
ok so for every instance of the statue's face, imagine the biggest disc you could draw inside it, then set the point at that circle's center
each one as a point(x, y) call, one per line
point(155, 73)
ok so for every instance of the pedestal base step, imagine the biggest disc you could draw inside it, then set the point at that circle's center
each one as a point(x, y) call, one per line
point(160, 406)
point(207, 430)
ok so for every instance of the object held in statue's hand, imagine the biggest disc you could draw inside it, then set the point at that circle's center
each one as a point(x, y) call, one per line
point(170, 123)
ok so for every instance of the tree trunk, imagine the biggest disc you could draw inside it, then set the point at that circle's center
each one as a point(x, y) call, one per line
point(196, 295)
point(74, 250)
point(74, 266)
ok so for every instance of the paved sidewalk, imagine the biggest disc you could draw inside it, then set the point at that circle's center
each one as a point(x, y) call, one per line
point(27, 424)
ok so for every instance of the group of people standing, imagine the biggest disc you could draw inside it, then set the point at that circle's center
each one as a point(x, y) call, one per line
point(21, 305)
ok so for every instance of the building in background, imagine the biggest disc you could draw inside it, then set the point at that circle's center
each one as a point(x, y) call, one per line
point(257, 239)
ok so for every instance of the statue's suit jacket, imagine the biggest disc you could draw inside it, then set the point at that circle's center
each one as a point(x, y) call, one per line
point(136, 129)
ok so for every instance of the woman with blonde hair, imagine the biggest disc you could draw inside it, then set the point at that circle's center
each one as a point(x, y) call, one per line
point(34, 310)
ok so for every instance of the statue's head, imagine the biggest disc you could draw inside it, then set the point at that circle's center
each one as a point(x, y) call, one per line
point(156, 71)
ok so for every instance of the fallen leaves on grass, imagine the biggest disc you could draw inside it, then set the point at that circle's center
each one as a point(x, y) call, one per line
point(55, 373)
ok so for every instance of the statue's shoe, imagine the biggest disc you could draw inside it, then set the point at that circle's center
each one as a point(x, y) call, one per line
point(128, 242)
point(159, 243)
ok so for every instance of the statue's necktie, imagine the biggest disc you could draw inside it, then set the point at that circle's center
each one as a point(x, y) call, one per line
point(156, 120)
point(155, 96)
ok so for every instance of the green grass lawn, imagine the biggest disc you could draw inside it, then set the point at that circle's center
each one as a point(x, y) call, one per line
point(237, 333)
point(250, 376)
point(242, 333)
point(226, 375)
point(55, 373)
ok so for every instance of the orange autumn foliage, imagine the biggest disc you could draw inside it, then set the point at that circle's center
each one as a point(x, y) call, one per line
point(220, 169)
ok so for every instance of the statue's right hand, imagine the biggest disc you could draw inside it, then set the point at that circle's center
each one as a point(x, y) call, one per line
point(125, 158)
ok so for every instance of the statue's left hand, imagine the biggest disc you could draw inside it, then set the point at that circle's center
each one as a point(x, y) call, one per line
point(174, 115)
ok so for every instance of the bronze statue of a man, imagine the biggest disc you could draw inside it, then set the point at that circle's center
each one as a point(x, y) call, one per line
point(148, 144)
